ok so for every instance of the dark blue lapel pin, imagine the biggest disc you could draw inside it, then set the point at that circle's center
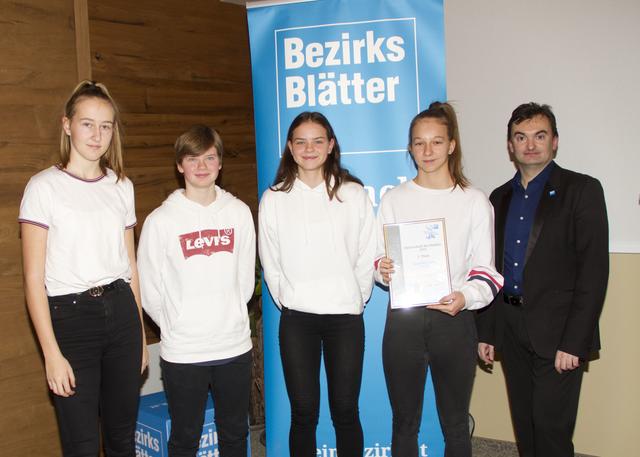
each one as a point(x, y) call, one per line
point(552, 193)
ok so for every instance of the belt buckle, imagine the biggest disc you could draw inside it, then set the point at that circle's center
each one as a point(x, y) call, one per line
point(96, 291)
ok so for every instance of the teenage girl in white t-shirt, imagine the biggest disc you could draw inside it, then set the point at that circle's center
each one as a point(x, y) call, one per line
point(440, 337)
point(80, 279)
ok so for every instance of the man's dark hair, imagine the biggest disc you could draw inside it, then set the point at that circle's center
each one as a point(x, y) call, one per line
point(530, 110)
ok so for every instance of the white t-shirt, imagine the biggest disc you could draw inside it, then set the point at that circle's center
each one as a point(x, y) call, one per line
point(86, 220)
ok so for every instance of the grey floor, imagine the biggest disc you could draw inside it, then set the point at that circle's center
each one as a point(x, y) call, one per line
point(482, 447)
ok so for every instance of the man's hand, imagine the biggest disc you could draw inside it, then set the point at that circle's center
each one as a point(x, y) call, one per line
point(486, 352)
point(566, 362)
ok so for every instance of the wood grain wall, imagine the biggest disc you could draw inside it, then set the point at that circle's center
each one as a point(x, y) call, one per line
point(171, 67)
point(37, 71)
point(169, 64)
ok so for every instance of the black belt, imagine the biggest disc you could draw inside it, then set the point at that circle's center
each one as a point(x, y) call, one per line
point(97, 291)
point(515, 300)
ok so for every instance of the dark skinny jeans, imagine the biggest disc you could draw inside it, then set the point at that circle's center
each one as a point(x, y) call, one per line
point(418, 339)
point(304, 338)
point(101, 337)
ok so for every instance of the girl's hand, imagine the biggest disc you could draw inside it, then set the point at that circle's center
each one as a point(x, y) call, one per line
point(60, 376)
point(385, 267)
point(145, 357)
point(450, 304)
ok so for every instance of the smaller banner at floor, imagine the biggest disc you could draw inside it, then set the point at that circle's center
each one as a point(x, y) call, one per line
point(369, 66)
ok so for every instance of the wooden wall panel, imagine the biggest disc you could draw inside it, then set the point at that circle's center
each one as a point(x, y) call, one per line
point(168, 68)
point(37, 51)
point(169, 65)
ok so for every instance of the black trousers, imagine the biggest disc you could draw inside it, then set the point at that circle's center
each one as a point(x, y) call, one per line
point(101, 337)
point(304, 338)
point(544, 403)
point(418, 339)
point(187, 388)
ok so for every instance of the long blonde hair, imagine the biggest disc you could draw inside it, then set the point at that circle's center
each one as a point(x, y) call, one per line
point(113, 157)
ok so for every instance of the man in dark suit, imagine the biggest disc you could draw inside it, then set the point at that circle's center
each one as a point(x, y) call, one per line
point(552, 249)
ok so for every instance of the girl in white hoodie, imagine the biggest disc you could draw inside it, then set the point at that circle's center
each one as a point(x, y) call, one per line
point(317, 246)
point(197, 273)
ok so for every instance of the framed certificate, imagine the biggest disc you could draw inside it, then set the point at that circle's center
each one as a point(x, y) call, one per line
point(420, 260)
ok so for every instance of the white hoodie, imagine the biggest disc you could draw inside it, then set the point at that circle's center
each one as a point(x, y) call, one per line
point(317, 253)
point(197, 273)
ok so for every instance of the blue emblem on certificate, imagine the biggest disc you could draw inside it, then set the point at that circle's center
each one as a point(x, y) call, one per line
point(421, 262)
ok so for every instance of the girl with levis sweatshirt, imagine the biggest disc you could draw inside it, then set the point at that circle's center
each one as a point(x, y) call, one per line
point(317, 246)
point(197, 273)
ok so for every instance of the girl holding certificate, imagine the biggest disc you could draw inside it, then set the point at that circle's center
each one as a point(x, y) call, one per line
point(317, 246)
point(440, 336)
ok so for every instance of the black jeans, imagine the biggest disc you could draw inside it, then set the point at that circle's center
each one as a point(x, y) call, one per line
point(187, 388)
point(340, 338)
point(101, 338)
point(415, 340)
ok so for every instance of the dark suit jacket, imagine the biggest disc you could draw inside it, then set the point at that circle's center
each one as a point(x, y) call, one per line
point(566, 267)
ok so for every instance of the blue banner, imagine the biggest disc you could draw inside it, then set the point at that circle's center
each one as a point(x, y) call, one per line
point(369, 66)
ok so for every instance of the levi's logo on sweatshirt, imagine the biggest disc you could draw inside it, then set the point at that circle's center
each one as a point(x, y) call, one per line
point(207, 242)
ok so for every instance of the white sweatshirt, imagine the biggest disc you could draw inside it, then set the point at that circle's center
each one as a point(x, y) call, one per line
point(468, 219)
point(317, 253)
point(197, 273)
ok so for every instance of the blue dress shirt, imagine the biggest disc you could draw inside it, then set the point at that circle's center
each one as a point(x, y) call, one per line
point(522, 212)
